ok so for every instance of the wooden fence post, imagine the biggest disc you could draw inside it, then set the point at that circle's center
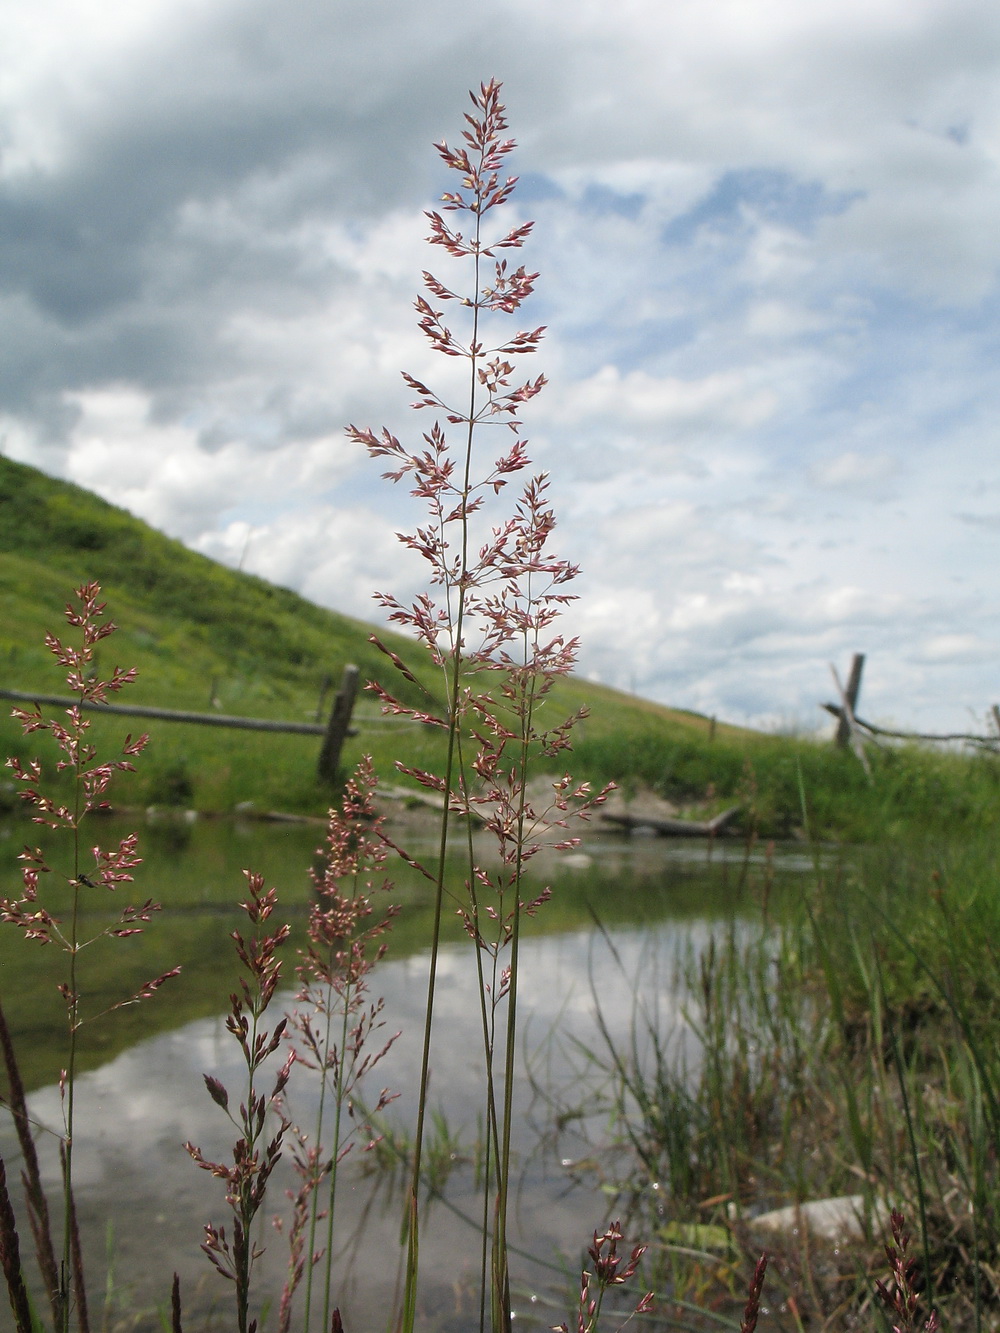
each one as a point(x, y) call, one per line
point(324, 690)
point(851, 693)
point(337, 727)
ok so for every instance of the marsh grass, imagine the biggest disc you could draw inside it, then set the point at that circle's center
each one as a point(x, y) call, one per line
point(178, 611)
point(917, 792)
point(488, 638)
point(846, 1048)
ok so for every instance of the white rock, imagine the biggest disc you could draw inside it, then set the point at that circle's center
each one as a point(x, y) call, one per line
point(839, 1218)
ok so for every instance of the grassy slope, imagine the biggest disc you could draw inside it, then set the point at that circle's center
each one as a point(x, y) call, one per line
point(199, 631)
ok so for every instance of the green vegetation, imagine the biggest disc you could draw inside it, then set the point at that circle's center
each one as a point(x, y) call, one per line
point(914, 789)
point(202, 636)
point(843, 1047)
point(205, 636)
point(840, 1044)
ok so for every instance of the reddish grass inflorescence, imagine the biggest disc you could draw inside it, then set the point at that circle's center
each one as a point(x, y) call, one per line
point(255, 1154)
point(488, 623)
point(900, 1299)
point(85, 871)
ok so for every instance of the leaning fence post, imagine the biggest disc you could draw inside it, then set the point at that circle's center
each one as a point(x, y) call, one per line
point(324, 690)
point(337, 727)
point(851, 693)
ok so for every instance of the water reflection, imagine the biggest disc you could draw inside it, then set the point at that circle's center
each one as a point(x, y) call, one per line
point(144, 1094)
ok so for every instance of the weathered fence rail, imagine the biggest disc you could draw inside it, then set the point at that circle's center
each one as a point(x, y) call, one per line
point(168, 714)
point(973, 738)
point(852, 730)
point(334, 731)
point(677, 828)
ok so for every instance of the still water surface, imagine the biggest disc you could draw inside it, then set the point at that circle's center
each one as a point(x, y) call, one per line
point(142, 1095)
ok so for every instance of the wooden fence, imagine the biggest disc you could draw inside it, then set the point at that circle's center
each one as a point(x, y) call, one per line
point(851, 729)
point(334, 731)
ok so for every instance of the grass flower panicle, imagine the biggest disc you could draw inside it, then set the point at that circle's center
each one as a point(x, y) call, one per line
point(606, 1270)
point(337, 1025)
point(901, 1299)
point(751, 1311)
point(487, 622)
point(84, 874)
point(254, 1154)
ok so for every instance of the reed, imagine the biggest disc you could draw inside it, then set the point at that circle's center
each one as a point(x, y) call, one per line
point(48, 911)
point(844, 1048)
point(487, 626)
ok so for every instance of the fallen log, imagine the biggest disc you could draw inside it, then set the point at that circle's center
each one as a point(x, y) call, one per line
point(677, 828)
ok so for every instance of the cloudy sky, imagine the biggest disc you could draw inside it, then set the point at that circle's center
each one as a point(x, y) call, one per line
point(768, 234)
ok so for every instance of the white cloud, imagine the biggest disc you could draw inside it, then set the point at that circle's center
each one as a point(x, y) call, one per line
point(162, 474)
point(768, 257)
point(335, 556)
point(854, 471)
point(724, 400)
point(955, 648)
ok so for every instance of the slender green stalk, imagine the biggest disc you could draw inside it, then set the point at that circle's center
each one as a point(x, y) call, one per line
point(314, 1199)
point(501, 1273)
point(457, 631)
point(73, 1013)
point(331, 1203)
point(487, 1015)
point(487, 589)
point(413, 1214)
point(918, 1173)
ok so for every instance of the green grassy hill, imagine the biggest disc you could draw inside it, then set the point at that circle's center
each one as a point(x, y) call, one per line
point(204, 636)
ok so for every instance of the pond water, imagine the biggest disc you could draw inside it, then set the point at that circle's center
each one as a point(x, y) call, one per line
point(142, 1200)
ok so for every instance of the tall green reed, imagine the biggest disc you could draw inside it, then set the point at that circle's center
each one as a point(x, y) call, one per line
point(842, 1043)
point(56, 917)
point(337, 1023)
point(488, 624)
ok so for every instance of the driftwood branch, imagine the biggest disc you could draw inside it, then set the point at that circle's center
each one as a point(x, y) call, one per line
point(677, 828)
